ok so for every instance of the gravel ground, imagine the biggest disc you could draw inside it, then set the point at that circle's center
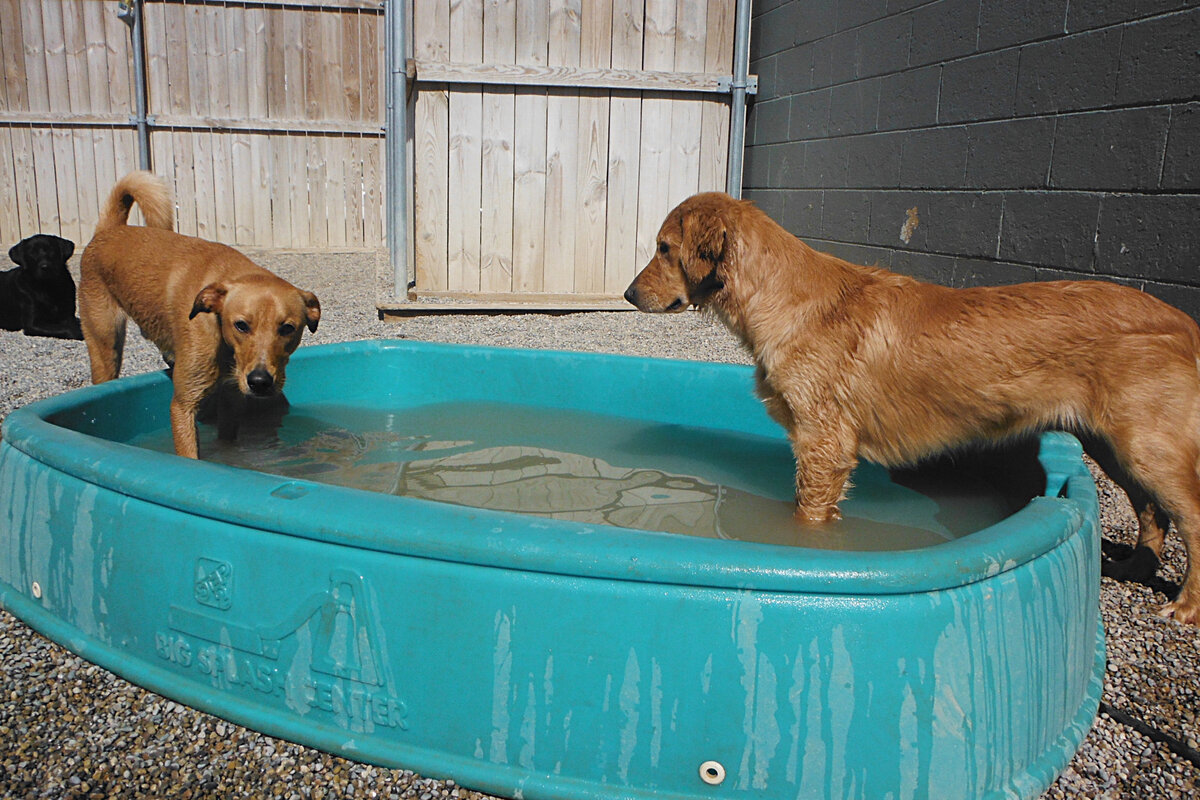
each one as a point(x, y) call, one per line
point(71, 729)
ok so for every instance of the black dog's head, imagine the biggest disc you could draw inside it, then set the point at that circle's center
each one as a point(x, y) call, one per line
point(42, 255)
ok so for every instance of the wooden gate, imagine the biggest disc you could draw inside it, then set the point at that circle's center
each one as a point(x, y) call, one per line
point(551, 138)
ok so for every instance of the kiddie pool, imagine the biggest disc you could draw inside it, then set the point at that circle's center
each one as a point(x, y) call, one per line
point(539, 658)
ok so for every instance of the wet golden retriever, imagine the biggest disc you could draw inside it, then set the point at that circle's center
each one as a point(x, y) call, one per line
point(219, 319)
point(856, 362)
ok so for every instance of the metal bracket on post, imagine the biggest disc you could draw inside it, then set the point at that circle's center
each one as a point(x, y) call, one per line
point(130, 12)
point(728, 83)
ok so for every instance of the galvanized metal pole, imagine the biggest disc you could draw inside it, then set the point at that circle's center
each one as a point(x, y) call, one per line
point(395, 144)
point(737, 116)
point(130, 12)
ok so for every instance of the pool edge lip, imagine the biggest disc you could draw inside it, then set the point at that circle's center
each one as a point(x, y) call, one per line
point(512, 541)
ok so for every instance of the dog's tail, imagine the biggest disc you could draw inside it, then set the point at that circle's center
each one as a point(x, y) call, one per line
point(150, 193)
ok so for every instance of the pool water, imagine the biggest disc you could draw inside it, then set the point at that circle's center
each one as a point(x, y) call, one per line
point(593, 468)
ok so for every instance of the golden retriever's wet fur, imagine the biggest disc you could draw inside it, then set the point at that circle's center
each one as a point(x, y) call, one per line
point(217, 317)
point(861, 362)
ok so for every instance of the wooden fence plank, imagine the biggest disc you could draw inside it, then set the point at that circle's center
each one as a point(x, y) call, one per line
point(13, 94)
point(562, 142)
point(653, 189)
point(714, 122)
point(684, 175)
point(10, 219)
point(595, 51)
point(466, 141)
point(499, 121)
point(620, 254)
point(431, 130)
point(529, 151)
point(34, 44)
point(28, 200)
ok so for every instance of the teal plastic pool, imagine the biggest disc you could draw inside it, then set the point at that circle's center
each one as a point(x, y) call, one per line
point(538, 657)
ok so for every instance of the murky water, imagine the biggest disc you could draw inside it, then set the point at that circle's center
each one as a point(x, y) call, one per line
point(606, 470)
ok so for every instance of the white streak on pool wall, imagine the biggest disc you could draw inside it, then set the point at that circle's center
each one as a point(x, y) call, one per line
point(628, 701)
point(501, 688)
point(759, 723)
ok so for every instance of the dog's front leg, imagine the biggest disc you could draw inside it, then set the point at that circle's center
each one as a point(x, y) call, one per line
point(183, 428)
point(193, 378)
point(825, 457)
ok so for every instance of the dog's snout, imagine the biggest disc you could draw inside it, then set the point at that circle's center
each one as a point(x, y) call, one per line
point(260, 381)
point(631, 294)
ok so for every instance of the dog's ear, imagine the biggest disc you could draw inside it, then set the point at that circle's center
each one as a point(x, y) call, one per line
point(210, 299)
point(312, 310)
point(17, 253)
point(67, 247)
point(704, 239)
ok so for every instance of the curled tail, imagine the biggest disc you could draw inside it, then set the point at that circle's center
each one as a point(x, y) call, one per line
point(150, 193)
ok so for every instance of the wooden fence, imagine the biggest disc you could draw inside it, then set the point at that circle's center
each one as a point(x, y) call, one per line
point(267, 117)
point(550, 139)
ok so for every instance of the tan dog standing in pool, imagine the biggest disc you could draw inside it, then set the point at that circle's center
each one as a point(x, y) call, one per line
point(217, 317)
point(860, 362)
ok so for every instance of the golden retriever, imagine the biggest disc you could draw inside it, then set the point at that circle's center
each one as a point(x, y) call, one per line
point(856, 362)
point(217, 317)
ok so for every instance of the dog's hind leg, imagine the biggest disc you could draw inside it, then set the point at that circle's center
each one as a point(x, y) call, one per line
point(103, 324)
point(1165, 463)
point(1142, 563)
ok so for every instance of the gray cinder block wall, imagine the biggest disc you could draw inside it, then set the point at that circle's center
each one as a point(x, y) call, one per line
point(984, 141)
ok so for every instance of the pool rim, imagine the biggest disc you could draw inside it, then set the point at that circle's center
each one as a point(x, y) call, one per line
point(359, 518)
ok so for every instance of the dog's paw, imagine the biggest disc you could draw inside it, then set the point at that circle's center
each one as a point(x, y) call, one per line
point(816, 516)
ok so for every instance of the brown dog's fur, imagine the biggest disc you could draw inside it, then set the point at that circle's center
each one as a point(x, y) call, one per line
point(217, 317)
point(857, 361)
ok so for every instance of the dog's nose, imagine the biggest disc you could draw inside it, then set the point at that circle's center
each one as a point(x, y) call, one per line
point(631, 295)
point(260, 381)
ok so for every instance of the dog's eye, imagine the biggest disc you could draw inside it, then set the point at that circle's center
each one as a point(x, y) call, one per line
point(287, 329)
point(664, 248)
point(241, 326)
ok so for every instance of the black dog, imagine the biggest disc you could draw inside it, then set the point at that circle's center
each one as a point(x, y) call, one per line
point(39, 295)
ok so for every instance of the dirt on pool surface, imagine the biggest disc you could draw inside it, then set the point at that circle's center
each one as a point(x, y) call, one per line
point(71, 729)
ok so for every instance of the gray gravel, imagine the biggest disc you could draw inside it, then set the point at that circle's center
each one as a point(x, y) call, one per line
point(71, 729)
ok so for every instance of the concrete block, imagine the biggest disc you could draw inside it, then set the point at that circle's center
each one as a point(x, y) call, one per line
point(810, 115)
point(909, 99)
point(881, 47)
point(846, 216)
point(854, 107)
point(935, 158)
point(1051, 229)
point(981, 87)
point(1181, 166)
point(1115, 150)
point(1010, 154)
point(1150, 236)
point(896, 221)
point(873, 160)
point(1075, 72)
point(1160, 59)
point(944, 30)
point(962, 223)
point(787, 166)
point(1004, 23)
point(801, 213)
